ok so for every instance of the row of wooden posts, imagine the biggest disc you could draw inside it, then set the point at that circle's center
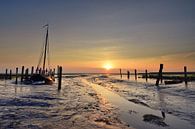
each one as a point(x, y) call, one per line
point(59, 74)
point(159, 77)
point(135, 73)
point(25, 74)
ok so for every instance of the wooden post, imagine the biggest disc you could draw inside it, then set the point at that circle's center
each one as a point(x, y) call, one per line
point(159, 75)
point(49, 72)
point(54, 70)
point(60, 78)
point(32, 70)
point(37, 69)
point(6, 76)
point(26, 74)
point(22, 74)
point(161, 78)
point(135, 74)
point(128, 75)
point(43, 72)
point(40, 71)
point(10, 74)
point(185, 75)
point(16, 76)
point(121, 73)
point(146, 75)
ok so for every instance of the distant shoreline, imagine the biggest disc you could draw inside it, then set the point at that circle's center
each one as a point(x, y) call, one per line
point(151, 75)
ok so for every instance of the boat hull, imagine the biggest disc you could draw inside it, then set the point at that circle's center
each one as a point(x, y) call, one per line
point(173, 82)
point(39, 79)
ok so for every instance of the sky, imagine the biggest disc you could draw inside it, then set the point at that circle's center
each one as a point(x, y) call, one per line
point(87, 35)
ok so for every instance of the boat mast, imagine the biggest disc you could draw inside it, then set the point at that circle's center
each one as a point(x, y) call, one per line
point(45, 52)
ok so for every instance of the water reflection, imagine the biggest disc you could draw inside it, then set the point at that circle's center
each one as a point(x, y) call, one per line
point(15, 90)
point(10, 89)
point(162, 103)
point(186, 85)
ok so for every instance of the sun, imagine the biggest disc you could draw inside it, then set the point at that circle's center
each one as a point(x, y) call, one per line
point(107, 66)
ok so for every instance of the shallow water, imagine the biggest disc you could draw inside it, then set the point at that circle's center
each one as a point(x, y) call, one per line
point(133, 113)
point(37, 107)
point(177, 99)
point(76, 106)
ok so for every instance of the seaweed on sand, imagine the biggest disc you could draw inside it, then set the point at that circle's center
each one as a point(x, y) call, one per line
point(154, 120)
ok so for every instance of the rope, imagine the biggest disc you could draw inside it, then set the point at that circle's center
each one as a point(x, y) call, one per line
point(41, 56)
point(48, 54)
point(42, 53)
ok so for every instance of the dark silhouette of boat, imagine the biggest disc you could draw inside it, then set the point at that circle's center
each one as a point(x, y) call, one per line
point(40, 79)
point(42, 75)
point(173, 82)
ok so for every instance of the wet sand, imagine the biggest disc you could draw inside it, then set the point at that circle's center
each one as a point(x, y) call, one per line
point(86, 102)
point(76, 106)
point(140, 116)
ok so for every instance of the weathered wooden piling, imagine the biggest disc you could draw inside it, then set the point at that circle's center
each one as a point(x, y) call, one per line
point(26, 74)
point(10, 74)
point(43, 71)
point(16, 82)
point(37, 70)
point(54, 70)
point(146, 75)
point(59, 77)
point(159, 75)
point(185, 75)
point(6, 76)
point(161, 78)
point(136, 74)
point(128, 75)
point(22, 74)
point(46, 71)
point(32, 70)
point(49, 72)
point(121, 74)
point(40, 71)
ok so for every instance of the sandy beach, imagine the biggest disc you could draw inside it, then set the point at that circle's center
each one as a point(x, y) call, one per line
point(94, 101)
point(76, 106)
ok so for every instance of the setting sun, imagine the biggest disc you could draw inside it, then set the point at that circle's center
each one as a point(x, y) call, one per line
point(108, 66)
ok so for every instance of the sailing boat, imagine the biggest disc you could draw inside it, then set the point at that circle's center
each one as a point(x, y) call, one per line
point(42, 75)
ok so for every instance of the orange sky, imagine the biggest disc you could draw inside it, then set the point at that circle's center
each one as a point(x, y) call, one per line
point(84, 36)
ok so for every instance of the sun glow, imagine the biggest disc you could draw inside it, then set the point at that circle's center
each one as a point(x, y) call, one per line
point(107, 66)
